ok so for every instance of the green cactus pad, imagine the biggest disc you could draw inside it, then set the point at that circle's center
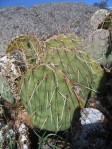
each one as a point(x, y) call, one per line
point(5, 90)
point(26, 48)
point(79, 67)
point(47, 95)
point(61, 41)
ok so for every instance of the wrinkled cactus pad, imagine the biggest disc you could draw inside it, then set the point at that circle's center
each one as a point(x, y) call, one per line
point(25, 49)
point(98, 46)
point(5, 90)
point(107, 22)
point(47, 95)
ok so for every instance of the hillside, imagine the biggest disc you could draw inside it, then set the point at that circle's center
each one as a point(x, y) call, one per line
point(44, 20)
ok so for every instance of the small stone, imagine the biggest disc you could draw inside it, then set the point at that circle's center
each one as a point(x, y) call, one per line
point(91, 115)
point(1, 135)
point(25, 146)
point(23, 138)
point(22, 127)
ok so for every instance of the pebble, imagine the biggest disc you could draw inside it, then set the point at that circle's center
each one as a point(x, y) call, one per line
point(91, 115)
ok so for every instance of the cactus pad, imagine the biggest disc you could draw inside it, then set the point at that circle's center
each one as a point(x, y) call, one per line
point(79, 67)
point(107, 22)
point(98, 17)
point(62, 41)
point(99, 43)
point(47, 95)
point(5, 90)
point(98, 46)
point(25, 48)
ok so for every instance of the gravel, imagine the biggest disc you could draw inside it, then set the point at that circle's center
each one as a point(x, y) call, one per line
point(45, 20)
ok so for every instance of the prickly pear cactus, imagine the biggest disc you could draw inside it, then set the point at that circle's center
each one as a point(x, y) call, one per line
point(61, 41)
point(47, 95)
point(25, 49)
point(50, 95)
point(5, 90)
point(98, 17)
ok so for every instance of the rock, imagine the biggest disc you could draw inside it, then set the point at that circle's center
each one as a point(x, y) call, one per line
point(90, 115)
point(5, 64)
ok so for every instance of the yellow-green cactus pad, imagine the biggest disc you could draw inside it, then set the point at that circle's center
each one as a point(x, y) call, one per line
point(61, 41)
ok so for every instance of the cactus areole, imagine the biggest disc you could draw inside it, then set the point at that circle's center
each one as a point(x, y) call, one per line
point(48, 97)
